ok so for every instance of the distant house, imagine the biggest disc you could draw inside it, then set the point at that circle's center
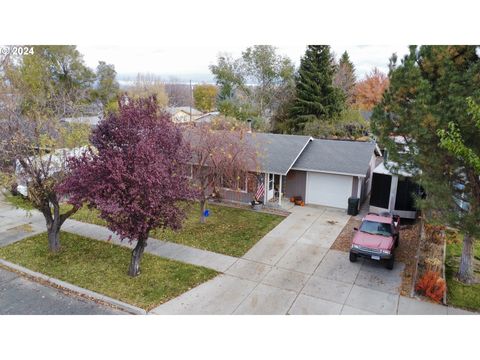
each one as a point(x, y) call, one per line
point(208, 117)
point(322, 172)
point(89, 120)
point(184, 114)
point(366, 114)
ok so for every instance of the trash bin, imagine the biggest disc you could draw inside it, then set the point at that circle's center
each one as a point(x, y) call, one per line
point(353, 206)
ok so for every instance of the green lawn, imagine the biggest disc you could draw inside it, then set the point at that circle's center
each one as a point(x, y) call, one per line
point(458, 294)
point(229, 231)
point(102, 267)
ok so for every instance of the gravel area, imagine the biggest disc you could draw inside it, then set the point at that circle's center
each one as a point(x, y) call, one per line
point(344, 239)
point(406, 251)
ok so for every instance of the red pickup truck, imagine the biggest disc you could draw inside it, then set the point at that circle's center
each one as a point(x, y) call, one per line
point(377, 238)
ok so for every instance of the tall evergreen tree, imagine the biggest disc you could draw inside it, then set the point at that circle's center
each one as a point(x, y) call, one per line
point(316, 96)
point(426, 104)
point(345, 77)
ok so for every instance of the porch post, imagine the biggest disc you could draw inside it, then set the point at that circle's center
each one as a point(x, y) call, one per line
point(280, 191)
point(265, 184)
point(393, 193)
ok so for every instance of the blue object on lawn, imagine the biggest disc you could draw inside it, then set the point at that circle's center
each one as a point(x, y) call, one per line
point(206, 213)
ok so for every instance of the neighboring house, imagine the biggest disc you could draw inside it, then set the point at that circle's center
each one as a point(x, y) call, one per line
point(179, 115)
point(208, 117)
point(184, 114)
point(394, 191)
point(322, 172)
point(50, 164)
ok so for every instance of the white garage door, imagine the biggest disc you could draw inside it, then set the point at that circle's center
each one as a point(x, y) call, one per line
point(328, 189)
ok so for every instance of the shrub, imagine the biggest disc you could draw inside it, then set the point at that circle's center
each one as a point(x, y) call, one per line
point(435, 233)
point(431, 285)
point(452, 236)
point(433, 264)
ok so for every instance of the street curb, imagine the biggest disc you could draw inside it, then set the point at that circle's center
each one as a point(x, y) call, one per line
point(76, 289)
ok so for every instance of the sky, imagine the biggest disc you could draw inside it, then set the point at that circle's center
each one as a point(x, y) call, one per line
point(191, 63)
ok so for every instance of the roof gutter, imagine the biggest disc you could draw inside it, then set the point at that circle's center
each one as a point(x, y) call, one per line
point(330, 172)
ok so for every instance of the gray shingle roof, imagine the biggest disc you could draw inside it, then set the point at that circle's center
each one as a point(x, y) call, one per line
point(278, 152)
point(345, 157)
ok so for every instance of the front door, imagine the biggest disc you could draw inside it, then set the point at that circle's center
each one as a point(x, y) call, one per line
point(270, 188)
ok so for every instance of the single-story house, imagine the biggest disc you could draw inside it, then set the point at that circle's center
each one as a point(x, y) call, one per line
point(184, 114)
point(322, 172)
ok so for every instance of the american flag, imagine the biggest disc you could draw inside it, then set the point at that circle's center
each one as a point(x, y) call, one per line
point(260, 191)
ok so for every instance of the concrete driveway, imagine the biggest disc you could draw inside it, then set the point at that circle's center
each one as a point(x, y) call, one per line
point(292, 270)
point(271, 276)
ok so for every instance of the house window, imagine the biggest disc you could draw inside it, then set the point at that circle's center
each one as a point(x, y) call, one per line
point(270, 181)
point(240, 184)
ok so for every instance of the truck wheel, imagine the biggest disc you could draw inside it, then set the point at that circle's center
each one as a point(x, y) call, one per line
point(390, 263)
point(353, 257)
point(397, 240)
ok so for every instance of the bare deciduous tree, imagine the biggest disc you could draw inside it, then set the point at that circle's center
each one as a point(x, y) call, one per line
point(219, 158)
point(33, 141)
point(146, 85)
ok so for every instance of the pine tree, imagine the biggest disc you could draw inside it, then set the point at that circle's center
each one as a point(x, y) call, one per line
point(345, 77)
point(431, 104)
point(316, 96)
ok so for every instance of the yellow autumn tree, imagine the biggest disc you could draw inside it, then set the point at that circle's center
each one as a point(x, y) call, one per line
point(205, 96)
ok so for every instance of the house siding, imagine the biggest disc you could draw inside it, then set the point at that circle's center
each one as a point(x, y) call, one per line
point(236, 196)
point(354, 186)
point(296, 182)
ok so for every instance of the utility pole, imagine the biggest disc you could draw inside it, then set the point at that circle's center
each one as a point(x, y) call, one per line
point(191, 100)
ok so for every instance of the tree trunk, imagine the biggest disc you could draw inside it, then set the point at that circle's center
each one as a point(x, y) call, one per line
point(53, 227)
point(54, 237)
point(465, 270)
point(137, 255)
point(203, 206)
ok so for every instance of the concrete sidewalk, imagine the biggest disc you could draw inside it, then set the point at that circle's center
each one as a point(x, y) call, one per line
point(17, 224)
point(187, 254)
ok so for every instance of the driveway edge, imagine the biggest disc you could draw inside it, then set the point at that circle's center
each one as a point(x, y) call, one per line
point(75, 289)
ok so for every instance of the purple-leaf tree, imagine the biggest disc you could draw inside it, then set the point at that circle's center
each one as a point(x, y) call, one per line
point(133, 174)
